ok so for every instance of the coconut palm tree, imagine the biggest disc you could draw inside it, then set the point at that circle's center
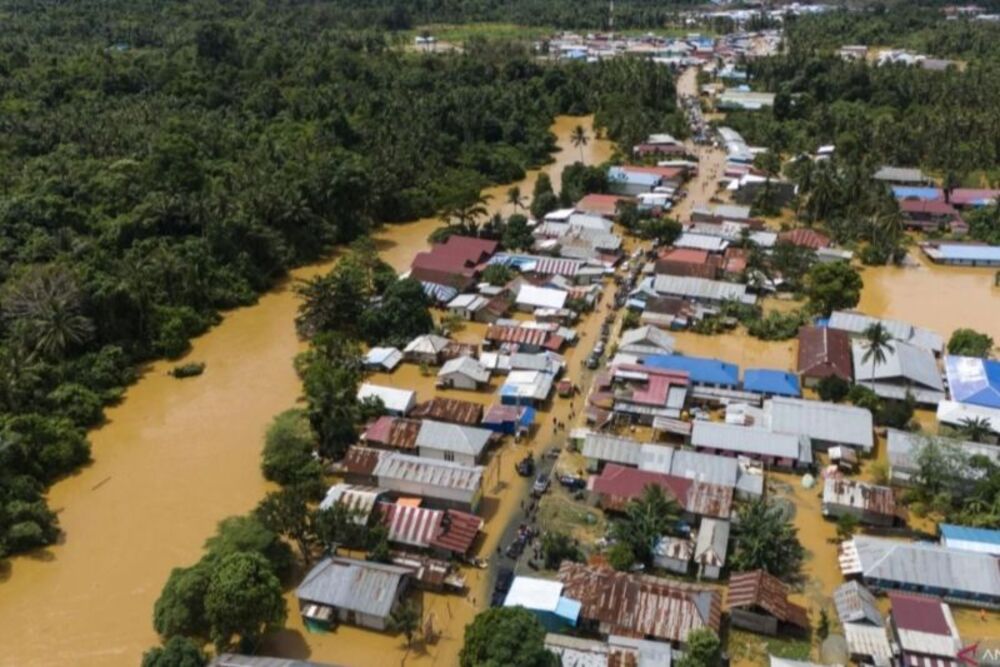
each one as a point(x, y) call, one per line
point(515, 198)
point(44, 309)
point(975, 429)
point(578, 137)
point(876, 342)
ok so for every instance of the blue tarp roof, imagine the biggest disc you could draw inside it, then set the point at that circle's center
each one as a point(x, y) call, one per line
point(910, 192)
point(768, 381)
point(973, 380)
point(985, 535)
point(625, 175)
point(701, 370)
point(569, 609)
point(961, 251)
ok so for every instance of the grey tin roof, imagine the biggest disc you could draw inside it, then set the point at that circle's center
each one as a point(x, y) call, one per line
point(356, 585)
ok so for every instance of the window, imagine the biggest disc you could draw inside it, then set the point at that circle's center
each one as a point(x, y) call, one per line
point(449, 456)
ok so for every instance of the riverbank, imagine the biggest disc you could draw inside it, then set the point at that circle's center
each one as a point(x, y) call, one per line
point(172, 460)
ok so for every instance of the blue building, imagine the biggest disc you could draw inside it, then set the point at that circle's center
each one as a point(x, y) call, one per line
point(624, 181)
point(769, 382)
point(916, 192)
point(704, 372)
point(973, 380)
point(964, 538)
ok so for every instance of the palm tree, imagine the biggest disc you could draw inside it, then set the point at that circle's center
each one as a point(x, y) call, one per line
point(467, 213)
point(975, 429)
point(876, 342)
point(579, 139)
point(44, 309)
point(647, 518)
point(515, 199)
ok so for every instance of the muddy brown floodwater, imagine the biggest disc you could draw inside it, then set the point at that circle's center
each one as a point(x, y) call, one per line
point(174, 458)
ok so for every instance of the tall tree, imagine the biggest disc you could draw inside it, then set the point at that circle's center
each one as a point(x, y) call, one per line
point(506, 637)
point(766, 540)
point(579, 139)
point(243, 601)
point(877, 342)
point(647, 518)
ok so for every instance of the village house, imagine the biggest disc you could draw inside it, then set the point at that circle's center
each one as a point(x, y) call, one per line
point(712, 381)
point(513, 420)
point(903, 450)
point(781, 450)
point(530, 298)
point(901, 176)
point(523, 338)
point(869, 503)
point(615, 651)
point(703, 241)
point(451, 410)
point(965, 538)
point(924, 630)
point(618, 603)
point(825, 424)
point(759, 602)
point(744, 100)
point(388, 432)
point(617, 485)
point(640, 393)
point(356, 592)
point(455, 264)
point(397, 402)
point(659, 144)
point(383, 359)
point(646, 339)
point(862, 623)
point(907, 370)
point(804, 237)
point(962, 254)
point(452, 442)
point(962, 577)
point(239, 660)
point(720, 213)
point(711, 547)
point(447, 533)
point(769, 382)
point(857, 323)
point(545, 600)
point(476, 308)
point(824, 352)
point(688, 262)
point(357, 499)
point(701, 290)
point(605, 206)
point(931, 216)
point(667, 312)
point(673, 554)
point(444, 484)
point(463, 373)
point(426, 349)
point(622, 181)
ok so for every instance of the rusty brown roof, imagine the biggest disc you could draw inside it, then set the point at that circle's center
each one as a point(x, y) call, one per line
point(639, 605)
point(360, 460)
point(395, 432)
point(451, 410)
point(824, 351)
point(766, 592)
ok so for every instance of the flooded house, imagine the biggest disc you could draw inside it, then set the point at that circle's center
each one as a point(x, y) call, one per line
point(444, 484)
point(359, 500)
point(769, 383)
point(924, 630)
point(356, 592)
point(781, 450)
point(383, 359)
point(903, 449)
point(452, 442)
point(617, 485)
point(825, 424)
point(635, 605)
point(530, 298)
point(701, 290)
point(642, 393)
point(966, 538)
point(445, 532)
point(962, 577)
point(471, 307)
point(615, 651)
point(856, 324)
point(603, 205)
point(525, 339)
point(868, 503)
point(905, 176)
point(689, 262)
point(515, 420)
point(646, 340)
point(454, 264)
point(863, 624)
point(451, 410)
point(426, 349)
point(529, 388)
point(824, 352)
point(389, 432)
point(973, 381)
point(759, 602)
point(397, 402)
point(463, 373)
point(240, 660)
point(931, 216)
point(545, 599)
point(907, 370)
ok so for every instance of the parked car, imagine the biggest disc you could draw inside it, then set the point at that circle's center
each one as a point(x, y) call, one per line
point(572, 482)
point(504, 578)
point(541, 485)
point(526, 466)
point(593, 361)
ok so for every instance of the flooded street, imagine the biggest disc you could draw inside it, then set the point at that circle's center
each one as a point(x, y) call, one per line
point(173, 459)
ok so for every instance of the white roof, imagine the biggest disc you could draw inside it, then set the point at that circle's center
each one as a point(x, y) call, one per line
point(750, 440)
point(699, 288)
point(871, 640)
point(387, 357)
point(953, 412)
point(427, 344)
point(830, 422)
point(395, 400)
point(647, 336)
point(534, 593)
point(529, 384)
point(468, 302)
point(701, 242)
point(560, 215)
point(856, 323)
point(452, 437)
point(541, 297)
point(465, 366)
point(903, 363)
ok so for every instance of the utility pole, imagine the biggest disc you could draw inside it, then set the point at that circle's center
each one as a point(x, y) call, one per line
point(611, 17)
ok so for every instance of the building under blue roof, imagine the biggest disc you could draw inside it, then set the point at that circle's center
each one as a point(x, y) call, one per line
point(770, 382)
point(973, 380)
point(964, 538)
point(914, 192)
point(702, 371)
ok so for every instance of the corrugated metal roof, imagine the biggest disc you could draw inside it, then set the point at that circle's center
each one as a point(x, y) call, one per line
point(770, 381)
point(465, 366)
point(361, 586)
point(450, 410)
point(869, 640)
point(924, 625)
point(856, 604)
point(712, 543)
point(603, 447)
point(395, 466)
point(984, 540)
point(396, 432)
point(237, 660)
point(858, 495)
point(857, 323)
point(922, 564)
point(456, 438)
point(396, 400)
point(823, 350)
point(764, 591)
point(356, 498)
point(750, 440)
point(640, 606)
point(903, 363)
point(407, 524)
point(699, 288)
point(830, 422)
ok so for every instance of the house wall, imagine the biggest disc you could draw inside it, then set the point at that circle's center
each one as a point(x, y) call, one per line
point(709, 572)
point(458, 381)
point(753, 621)
point(464, 313)
point(871, 518)
point(443, 455)
point(421, 358)
point(671, 564)
point(438, 497)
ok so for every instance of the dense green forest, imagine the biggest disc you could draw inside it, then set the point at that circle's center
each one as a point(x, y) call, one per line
point(165, 161)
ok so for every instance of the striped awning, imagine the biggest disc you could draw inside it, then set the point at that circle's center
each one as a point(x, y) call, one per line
point(415, 526)
point(438, 292)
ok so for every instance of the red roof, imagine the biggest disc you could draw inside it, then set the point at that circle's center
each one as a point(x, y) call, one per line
point(450, 262)
point(974, 196)
point(617, 485)
point(396, 432)
point(824, 351)
point(805, 238)
point(523, 336)
point(922, 613)
point(360, 460)
point(596, 204)
point(937, 207)
point(760, 590)
point(423, 527)
point(457, 532)
point(687, 255)
point(450, 410)
point(667, 173)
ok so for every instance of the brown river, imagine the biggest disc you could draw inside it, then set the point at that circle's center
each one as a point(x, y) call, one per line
point(173, 459)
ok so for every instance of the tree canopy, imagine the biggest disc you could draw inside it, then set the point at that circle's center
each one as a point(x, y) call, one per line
point(765, 539)
point(506, 637)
